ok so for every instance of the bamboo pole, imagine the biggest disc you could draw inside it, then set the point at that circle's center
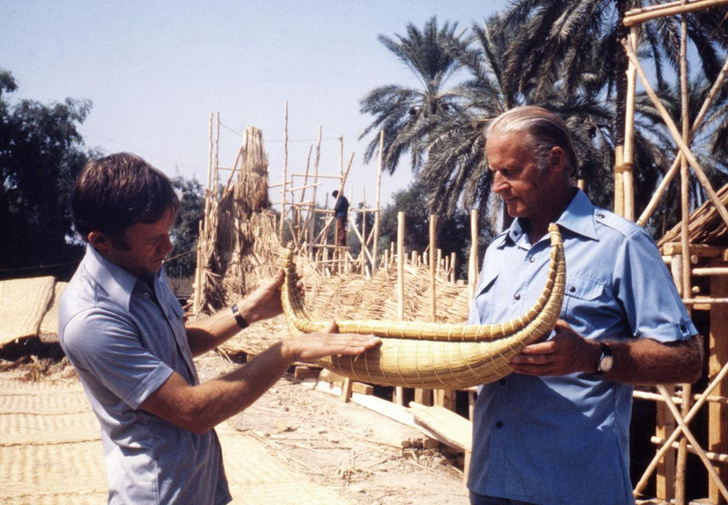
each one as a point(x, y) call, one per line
point(217, 161)
point(285, 174)
point(700, 174)
point(312, 218)
point(433, 245)
point(669, 10)
point(676, 163)
point(675, 434)
point(375, 245)
point(682, 452)
point(718, 410)
point(628, 155)
point(399, 391)
point(689, 436)
point(618, 180)
point(473, 266)
point(712, 456)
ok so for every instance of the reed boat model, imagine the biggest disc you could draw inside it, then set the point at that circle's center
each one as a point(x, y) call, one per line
point(435, 355)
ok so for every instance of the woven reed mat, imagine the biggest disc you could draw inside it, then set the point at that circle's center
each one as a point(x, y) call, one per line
point(50, 453)
point(23, 303)
point(49, 326)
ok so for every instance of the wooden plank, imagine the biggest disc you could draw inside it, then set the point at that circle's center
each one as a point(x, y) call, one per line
point(705, 251)
point(451, 427)
point(717, 412)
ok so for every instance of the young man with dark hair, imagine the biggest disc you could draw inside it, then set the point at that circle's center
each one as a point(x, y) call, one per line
point(123, 330)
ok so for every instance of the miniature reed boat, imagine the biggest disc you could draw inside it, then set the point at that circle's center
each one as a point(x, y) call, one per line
point(435, 355)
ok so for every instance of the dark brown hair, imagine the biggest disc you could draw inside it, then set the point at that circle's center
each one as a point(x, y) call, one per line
point(118, 191)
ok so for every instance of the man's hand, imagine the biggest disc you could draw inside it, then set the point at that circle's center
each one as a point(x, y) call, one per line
point(319, 345)
point(265, 302)
point(567, 352)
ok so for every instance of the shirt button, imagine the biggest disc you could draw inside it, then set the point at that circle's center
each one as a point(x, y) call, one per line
point(683, 327)
point(532, 259)
point(146, 295)
point(572, 289)
point(517, 296)
point(499, 424)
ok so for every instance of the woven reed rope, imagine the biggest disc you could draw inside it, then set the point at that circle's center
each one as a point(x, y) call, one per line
point(435, 355)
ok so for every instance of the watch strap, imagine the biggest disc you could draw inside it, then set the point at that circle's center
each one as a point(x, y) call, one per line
point(238, 318)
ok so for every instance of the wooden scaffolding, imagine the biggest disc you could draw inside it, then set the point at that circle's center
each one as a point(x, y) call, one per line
point(692, 262)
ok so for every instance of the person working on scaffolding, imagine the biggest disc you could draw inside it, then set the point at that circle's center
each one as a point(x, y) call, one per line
point(341, 213)
point(124, 332)
point(557, 430)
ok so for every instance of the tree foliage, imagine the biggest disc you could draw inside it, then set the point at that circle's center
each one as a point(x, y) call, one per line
point(185, 232)
point(453, 233)
point(564, 55)
point(41, 154)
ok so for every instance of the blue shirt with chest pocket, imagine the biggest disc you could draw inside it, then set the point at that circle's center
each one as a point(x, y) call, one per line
point(565, 440)
point(125, 340)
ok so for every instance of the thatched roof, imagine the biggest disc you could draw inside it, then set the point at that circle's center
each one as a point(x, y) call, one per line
point(705, 227)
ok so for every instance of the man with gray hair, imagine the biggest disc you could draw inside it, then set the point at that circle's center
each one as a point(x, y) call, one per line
point(557, 430)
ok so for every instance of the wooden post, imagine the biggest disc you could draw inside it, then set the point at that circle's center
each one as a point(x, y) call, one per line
point(473, 264)
point(285, 175)
point(628, 154)
point(718, 345)
point(618, 180)
point(424, 396)
point(682, 453)
point(375, 246)
point(399, 391)
point(313, 207)
point(433, 245)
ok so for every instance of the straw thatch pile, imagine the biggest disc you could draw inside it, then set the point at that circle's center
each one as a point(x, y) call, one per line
point(354, 296)
point(239, 243)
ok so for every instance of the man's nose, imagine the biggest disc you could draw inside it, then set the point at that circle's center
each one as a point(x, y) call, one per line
point(168, 244)
point(499, 184)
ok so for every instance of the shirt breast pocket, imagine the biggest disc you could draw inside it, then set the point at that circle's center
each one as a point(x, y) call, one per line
point(582, 297)
point(483, 295)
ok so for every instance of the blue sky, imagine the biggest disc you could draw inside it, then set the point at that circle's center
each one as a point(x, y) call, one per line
point(156, 70)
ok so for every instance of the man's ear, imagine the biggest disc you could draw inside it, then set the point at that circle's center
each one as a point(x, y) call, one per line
point(99, 241)
point(557, 159)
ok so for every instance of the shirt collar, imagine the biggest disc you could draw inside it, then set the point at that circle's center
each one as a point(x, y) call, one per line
point(578, 218)
point(116, 281)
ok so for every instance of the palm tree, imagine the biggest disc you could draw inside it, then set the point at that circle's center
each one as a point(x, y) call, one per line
point(558, 39)
point(456, 170)
point(403, 112)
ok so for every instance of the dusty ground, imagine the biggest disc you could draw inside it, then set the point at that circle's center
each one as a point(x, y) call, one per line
point(369, 458)
point(365, 457)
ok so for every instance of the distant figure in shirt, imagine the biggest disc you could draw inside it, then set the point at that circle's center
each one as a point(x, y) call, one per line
point(341, 213)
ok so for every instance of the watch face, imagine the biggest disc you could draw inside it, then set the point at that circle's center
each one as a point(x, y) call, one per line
point(605, 364)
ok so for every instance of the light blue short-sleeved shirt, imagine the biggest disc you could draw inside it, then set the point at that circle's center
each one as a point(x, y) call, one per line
point(125, 340)
point(565, 440)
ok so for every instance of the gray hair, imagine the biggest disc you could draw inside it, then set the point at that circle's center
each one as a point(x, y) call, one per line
point(544, 129)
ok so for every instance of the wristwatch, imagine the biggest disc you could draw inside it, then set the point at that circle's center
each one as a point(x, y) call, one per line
point(606, 360)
